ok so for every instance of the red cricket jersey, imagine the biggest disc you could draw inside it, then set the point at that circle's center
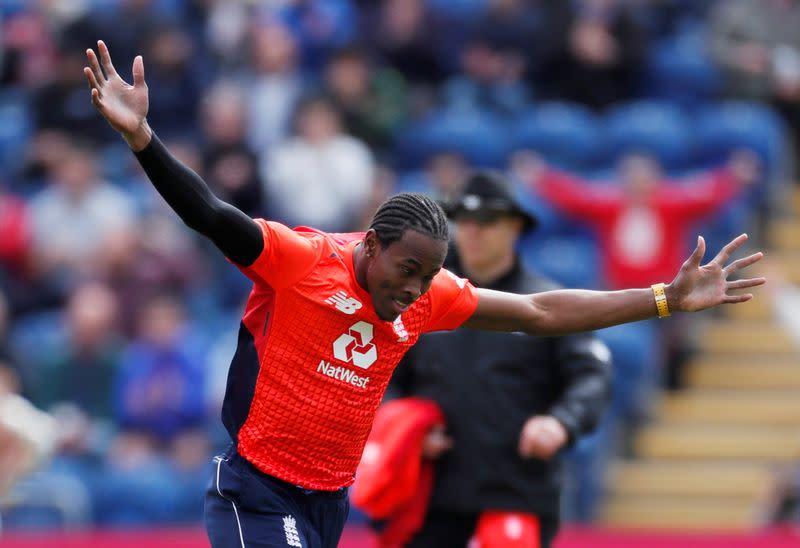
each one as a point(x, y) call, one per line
point(314, 359)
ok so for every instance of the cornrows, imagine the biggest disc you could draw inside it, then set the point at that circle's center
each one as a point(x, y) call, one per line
point(409, 210)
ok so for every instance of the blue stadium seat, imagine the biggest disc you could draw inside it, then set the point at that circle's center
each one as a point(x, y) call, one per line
point(571, 261)
point(636, 364)
point(478, 136)
point(565, 134)
point(16, 126)
point(413, 181)
point(458, 9)
point(725, 127)
point(659, 128)
point(681, 70)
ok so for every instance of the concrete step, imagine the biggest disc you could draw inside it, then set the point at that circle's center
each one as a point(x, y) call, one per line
point(784, 234)
point(707, 513)
point(737, 337)
point(761, 372)
point(689, 479)
point(789, 262)
point(744, 443)
point(758, 309)
point(732, 407)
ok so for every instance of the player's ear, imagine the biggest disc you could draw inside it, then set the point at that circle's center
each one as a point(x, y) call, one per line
point(371, 243)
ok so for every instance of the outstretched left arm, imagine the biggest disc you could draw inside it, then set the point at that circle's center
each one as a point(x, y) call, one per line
point(565, 311)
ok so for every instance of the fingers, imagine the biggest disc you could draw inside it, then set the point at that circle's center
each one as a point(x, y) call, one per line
point(726, 252)
point(734, 299)
point(96, 97)
point(697, 255)
point(94, 65)
point(138, 71)
point(105, 58)
point(750, 282)
point(742, 263)
point(93, 84)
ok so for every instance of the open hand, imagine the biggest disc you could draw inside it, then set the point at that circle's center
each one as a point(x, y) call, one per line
point(122, 105)
point(699, 287)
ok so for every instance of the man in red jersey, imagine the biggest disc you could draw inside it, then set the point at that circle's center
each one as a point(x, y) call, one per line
point(328, 319)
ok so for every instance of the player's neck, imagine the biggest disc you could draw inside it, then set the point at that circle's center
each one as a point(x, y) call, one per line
point(360, 266)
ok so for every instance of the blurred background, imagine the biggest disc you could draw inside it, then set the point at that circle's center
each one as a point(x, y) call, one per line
point(117, 323)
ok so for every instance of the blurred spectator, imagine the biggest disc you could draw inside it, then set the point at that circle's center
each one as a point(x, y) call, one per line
point(758, 44)
point(159, 390)
point(80, 373)
point(372, 103)
point(402, 33)
point(642, 223)
point(27, 435)
point(230, 165)
point(274, 86)
point(128, 40)
point(176, 91)
point(47, 150)
point(598, 57)
point(61, 103)
point(525, 33)
point(446, 173)
point(321, 177)
point(73, 218)
point(551, 391)
point(226, 31)
point(490, 79)
point(321, 26)
point(28, 49)
point(136, 265)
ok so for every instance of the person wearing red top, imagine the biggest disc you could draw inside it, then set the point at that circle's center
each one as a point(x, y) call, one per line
point(642, 223)
point(328, 319)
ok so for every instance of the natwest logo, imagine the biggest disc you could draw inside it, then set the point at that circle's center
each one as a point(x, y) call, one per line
point(342, 374)
point(356, 346)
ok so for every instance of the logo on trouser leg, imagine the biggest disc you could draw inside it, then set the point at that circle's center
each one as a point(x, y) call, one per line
point(290, 528)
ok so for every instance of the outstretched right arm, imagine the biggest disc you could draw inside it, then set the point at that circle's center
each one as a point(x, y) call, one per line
point(125, 108)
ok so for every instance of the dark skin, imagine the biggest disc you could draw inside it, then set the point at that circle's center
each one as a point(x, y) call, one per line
point(400, 273)
point(397, 275)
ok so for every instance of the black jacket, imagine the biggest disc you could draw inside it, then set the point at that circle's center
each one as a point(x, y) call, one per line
point(488, 384)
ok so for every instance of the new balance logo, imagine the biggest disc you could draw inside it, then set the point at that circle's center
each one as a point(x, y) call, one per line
point(460, 282)
point(290, 528)
point(343, 303)
point(356, 346)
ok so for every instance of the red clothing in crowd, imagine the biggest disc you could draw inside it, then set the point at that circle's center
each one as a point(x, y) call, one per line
point(14, 230)
point(641, 244)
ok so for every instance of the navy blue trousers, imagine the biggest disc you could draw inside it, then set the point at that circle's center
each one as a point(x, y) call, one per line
point(245, 508)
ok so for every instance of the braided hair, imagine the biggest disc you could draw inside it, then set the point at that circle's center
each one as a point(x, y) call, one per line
point(409, 210)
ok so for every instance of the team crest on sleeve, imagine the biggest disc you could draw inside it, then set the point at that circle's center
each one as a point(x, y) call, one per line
point(400, 330)
point(460, 282)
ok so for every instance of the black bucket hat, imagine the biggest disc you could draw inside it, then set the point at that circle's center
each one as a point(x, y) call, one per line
point(487, 195)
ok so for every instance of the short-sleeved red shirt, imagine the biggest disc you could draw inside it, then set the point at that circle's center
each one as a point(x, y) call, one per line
point(314, 359)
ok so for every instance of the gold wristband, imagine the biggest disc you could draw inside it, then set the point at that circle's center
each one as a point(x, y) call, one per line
point(661, 300)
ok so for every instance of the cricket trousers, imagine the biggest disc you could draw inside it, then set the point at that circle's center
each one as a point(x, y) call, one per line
point(245, 508)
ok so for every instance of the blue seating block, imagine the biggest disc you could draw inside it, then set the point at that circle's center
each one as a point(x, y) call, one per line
point(565, 134)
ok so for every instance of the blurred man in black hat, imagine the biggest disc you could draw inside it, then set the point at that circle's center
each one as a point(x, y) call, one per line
point(511, 402)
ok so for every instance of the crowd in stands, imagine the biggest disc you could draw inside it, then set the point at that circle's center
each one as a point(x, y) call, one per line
point(121, 322)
